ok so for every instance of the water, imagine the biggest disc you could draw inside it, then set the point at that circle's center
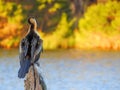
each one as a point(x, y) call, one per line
point(66, 70)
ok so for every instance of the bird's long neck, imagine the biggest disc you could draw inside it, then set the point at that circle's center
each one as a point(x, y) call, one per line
point(32, 25)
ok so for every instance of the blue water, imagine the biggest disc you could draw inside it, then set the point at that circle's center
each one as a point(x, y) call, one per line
point(66, 70)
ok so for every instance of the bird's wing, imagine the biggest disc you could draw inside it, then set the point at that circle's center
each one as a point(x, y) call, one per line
point(39, 46)
point(33, 46)
point(36, 48)
point(23, 49)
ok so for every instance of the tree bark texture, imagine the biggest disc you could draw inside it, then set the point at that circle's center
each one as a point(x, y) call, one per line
point(34, 80)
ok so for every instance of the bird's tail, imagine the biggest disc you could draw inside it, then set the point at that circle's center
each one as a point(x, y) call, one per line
point(24, 68)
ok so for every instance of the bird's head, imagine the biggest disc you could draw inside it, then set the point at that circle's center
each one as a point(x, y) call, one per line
point(32, 22)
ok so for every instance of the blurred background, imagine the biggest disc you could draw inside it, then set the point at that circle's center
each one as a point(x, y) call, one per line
point(62, 23)
point(81, 40)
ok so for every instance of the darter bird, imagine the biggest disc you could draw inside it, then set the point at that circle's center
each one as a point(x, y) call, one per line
point(30, 48)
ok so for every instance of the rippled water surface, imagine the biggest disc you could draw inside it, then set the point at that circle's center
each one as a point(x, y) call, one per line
point(66, 70)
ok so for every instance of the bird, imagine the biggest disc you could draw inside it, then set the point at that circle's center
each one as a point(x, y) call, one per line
point(30, 48)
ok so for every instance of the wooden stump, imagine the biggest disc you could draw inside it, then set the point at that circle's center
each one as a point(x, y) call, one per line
point(34, 80)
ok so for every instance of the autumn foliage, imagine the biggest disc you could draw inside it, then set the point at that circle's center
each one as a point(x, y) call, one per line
point(61, 24)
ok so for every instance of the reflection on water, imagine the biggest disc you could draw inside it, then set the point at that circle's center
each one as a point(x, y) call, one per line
point(66, 70)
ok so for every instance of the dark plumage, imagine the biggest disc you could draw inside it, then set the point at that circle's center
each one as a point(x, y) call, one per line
point(30, 48)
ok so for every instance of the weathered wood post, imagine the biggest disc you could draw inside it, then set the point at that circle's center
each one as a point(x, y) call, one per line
point(34, 81)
